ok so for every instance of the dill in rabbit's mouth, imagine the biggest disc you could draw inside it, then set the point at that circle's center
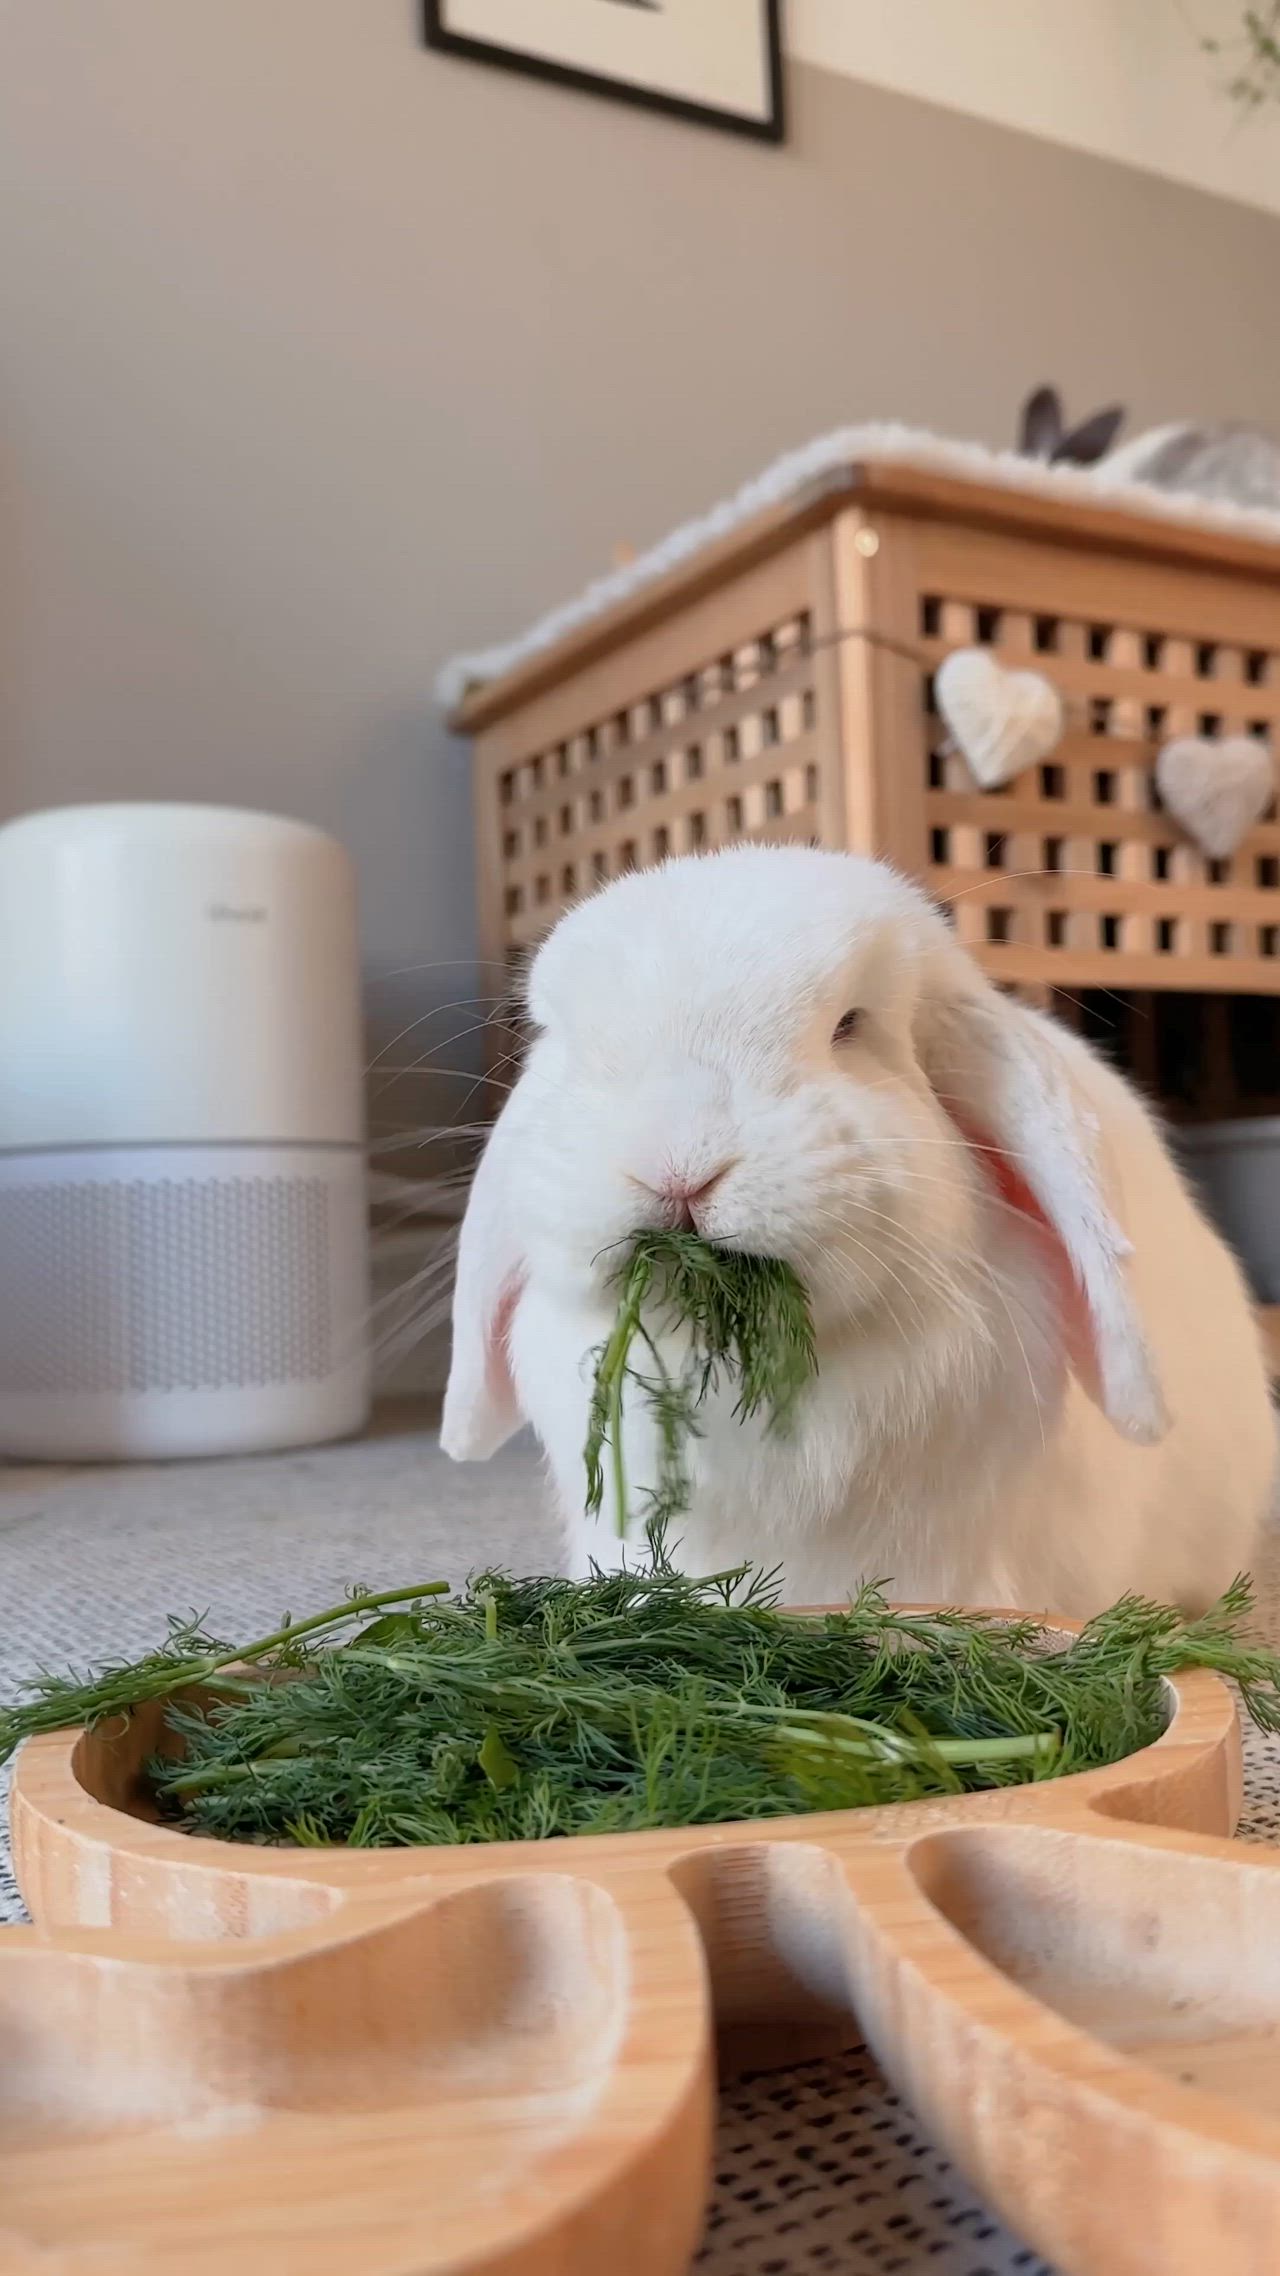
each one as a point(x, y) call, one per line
point(746, 1319)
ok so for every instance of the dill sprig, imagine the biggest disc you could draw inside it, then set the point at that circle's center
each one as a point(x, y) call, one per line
point(522, 1709)
point(188, 1656)
point(743, 1317)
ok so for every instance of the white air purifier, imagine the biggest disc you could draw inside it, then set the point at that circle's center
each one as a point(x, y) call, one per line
point(183, 1221)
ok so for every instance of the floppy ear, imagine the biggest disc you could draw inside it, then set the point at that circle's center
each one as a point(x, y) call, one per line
point(480, 1406)
point(1009, 1086)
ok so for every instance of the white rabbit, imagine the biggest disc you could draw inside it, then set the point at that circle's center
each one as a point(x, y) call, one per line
point(1040, 1381)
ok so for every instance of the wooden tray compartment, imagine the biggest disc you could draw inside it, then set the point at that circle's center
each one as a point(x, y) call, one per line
point(501, 2061)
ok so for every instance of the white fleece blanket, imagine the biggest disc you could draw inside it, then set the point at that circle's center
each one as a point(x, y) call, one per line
point(879, 439)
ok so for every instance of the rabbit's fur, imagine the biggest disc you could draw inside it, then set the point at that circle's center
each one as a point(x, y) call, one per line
point(1040, 1379)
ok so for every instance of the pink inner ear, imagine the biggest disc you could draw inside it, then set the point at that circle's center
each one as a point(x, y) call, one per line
point(497, 1357)
point(1012, 1189)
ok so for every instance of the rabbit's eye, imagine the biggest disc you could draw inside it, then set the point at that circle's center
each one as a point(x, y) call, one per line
point(846, 1026)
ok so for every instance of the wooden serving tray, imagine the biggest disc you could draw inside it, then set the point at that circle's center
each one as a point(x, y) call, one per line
point(500, 2061)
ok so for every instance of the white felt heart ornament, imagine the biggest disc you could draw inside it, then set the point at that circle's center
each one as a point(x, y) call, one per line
point(1216, 790)
point(1002, 721)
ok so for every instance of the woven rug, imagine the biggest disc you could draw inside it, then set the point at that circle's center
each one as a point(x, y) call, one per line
point(819, 2168)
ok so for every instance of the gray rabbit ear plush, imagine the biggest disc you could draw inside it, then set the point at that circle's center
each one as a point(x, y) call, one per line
point(1044, 434)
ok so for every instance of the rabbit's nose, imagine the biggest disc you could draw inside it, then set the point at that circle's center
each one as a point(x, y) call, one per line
point(682, 1196)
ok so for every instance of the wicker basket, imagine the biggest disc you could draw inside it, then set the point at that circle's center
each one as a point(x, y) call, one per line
point(740, 697)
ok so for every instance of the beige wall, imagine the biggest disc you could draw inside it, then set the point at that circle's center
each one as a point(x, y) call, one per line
point(321, 356)
point(1127, 79)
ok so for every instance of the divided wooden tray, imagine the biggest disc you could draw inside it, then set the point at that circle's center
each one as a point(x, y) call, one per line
point(500, 2062)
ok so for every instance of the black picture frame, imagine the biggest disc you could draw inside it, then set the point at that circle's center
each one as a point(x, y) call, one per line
point(771, 128)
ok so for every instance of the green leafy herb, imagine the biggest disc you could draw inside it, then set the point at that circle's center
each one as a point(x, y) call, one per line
point(744, 1317)
point(190, 1656)
point(521, 1709)
point(496, 1760)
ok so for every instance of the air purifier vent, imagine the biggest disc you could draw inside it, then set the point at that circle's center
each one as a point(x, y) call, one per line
point(175, 1284)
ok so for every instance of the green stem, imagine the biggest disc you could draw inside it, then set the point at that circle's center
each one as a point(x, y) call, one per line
point(351, 1609)
point(93, 1701)
point(617, 1458)
point(892, 1747)
point(613, 1368)
point(213, 1774)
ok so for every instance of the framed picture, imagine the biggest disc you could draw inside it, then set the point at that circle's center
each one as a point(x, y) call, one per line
point(716, 61)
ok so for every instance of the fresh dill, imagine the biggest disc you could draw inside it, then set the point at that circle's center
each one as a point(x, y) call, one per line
point(745, 1318)
point(524, 1709)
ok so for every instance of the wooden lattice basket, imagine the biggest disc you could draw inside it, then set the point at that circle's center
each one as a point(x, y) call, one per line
point(740, 696)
